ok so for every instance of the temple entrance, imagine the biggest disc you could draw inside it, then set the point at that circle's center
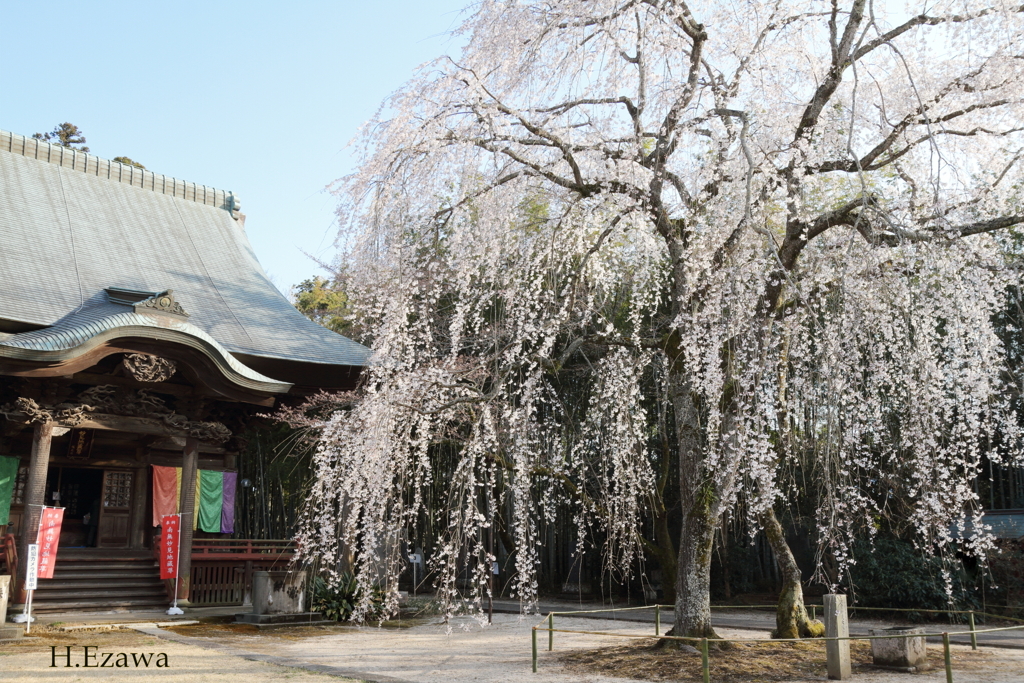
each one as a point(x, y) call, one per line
point(97, 505)
point(77, 490)
point(116, 509)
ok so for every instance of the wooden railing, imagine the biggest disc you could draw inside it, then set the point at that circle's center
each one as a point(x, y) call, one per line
point(274, 550)
point(9, 555)
point(222, 568)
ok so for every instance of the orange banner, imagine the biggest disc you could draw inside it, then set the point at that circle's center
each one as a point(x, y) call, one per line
point(165, 492)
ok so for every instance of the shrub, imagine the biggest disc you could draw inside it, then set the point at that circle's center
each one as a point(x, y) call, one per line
point(338, 601)
point(893, 573)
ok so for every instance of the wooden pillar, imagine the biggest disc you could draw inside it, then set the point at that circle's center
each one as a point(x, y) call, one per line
point(142, 514)
point(189, 472)
point(35, 496)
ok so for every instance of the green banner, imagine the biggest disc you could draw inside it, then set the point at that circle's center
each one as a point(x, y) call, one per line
point(211, 499)
point(8, 475)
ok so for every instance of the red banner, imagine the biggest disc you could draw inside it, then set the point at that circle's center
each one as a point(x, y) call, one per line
point(170, 528)
point(48, 539)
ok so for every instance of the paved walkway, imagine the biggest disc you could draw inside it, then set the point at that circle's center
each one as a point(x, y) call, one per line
point(764, 620)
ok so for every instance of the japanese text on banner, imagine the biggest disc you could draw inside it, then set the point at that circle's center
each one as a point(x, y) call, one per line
point(170, 527)
point(48, 538)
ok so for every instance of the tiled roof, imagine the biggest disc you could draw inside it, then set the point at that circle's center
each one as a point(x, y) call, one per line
point(72, 224)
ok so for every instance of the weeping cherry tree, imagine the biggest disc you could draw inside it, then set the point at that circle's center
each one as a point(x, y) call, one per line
point(785, 215)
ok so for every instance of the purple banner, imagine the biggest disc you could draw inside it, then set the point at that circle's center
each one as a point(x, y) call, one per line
point(227, 512)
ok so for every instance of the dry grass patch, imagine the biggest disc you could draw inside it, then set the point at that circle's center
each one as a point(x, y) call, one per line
point(742, 663)
point(226, 626)
point(42, 637)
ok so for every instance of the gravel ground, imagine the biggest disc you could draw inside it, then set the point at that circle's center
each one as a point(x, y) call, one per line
point(420, 651)
point(29, 660)
point(424, 653)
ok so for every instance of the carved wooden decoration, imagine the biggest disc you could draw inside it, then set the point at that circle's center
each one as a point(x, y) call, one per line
point(164, 302)
point(146, 368)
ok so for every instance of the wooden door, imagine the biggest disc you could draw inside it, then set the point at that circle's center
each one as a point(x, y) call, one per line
point(115, 509)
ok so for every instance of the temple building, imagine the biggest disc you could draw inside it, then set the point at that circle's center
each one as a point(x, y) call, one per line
point(138, 331)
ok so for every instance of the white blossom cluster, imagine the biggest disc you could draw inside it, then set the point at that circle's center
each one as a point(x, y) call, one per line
point(780, 213)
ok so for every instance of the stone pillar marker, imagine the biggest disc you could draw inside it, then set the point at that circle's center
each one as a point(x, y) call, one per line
point(837, 625)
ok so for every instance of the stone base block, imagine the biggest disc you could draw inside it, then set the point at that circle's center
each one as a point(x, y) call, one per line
point(907, 653)
point(11, 631)
point(278, 620)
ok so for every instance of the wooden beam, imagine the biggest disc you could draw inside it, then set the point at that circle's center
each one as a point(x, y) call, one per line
point(116, 423)
point(176, 443)
point(155, 387)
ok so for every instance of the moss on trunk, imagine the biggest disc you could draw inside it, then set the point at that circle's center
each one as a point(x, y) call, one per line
point(791, 620)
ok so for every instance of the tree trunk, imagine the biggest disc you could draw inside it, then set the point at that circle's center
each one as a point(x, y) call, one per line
point(698, 498)
point(791, 620)
point(693, 574)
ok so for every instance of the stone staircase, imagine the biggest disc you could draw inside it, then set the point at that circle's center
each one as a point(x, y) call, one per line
point(108, 580)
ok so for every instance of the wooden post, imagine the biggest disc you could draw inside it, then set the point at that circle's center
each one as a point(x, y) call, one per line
point(837, 625)
point(946, 658)
point(705, 665)
point(189, 472)
point(141, 517)
point(534, 632)
point(35, 496)
point(247, 583)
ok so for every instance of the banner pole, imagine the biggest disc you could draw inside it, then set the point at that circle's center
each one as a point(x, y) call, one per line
point(28, 612)
point(174, 609)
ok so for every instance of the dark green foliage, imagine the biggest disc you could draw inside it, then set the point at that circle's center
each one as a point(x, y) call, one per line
point(1007, 577)
point(895, 574)
point(338, 602)
point(325, 303)
point(65, 135)
point(128, 162)
point(278, 475)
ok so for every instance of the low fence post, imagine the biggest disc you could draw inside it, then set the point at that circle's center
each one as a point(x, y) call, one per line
point(945, 654)
point(551, 632)
point(705, 666)
point(657, 620)
point(814, 612)
point(974, 636)
point(534, 649)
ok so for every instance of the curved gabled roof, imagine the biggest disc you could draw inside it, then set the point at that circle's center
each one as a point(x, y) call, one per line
point(80, 332)
point(72, 225)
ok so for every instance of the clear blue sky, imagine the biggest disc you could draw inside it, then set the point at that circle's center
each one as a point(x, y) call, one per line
point(256, 97)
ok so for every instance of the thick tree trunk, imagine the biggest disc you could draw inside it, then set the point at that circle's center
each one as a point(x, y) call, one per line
point(693, 574)
point(700, 508)
point(791, 620)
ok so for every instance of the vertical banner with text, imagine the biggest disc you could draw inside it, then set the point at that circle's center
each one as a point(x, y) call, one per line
point(32, 567)
point(49, 537)
point(170, 528)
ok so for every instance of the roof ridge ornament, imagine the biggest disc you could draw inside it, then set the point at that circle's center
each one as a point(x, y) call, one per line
point(164, 302)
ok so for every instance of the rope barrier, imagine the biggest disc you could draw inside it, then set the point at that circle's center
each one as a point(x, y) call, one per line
point(703, 641)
